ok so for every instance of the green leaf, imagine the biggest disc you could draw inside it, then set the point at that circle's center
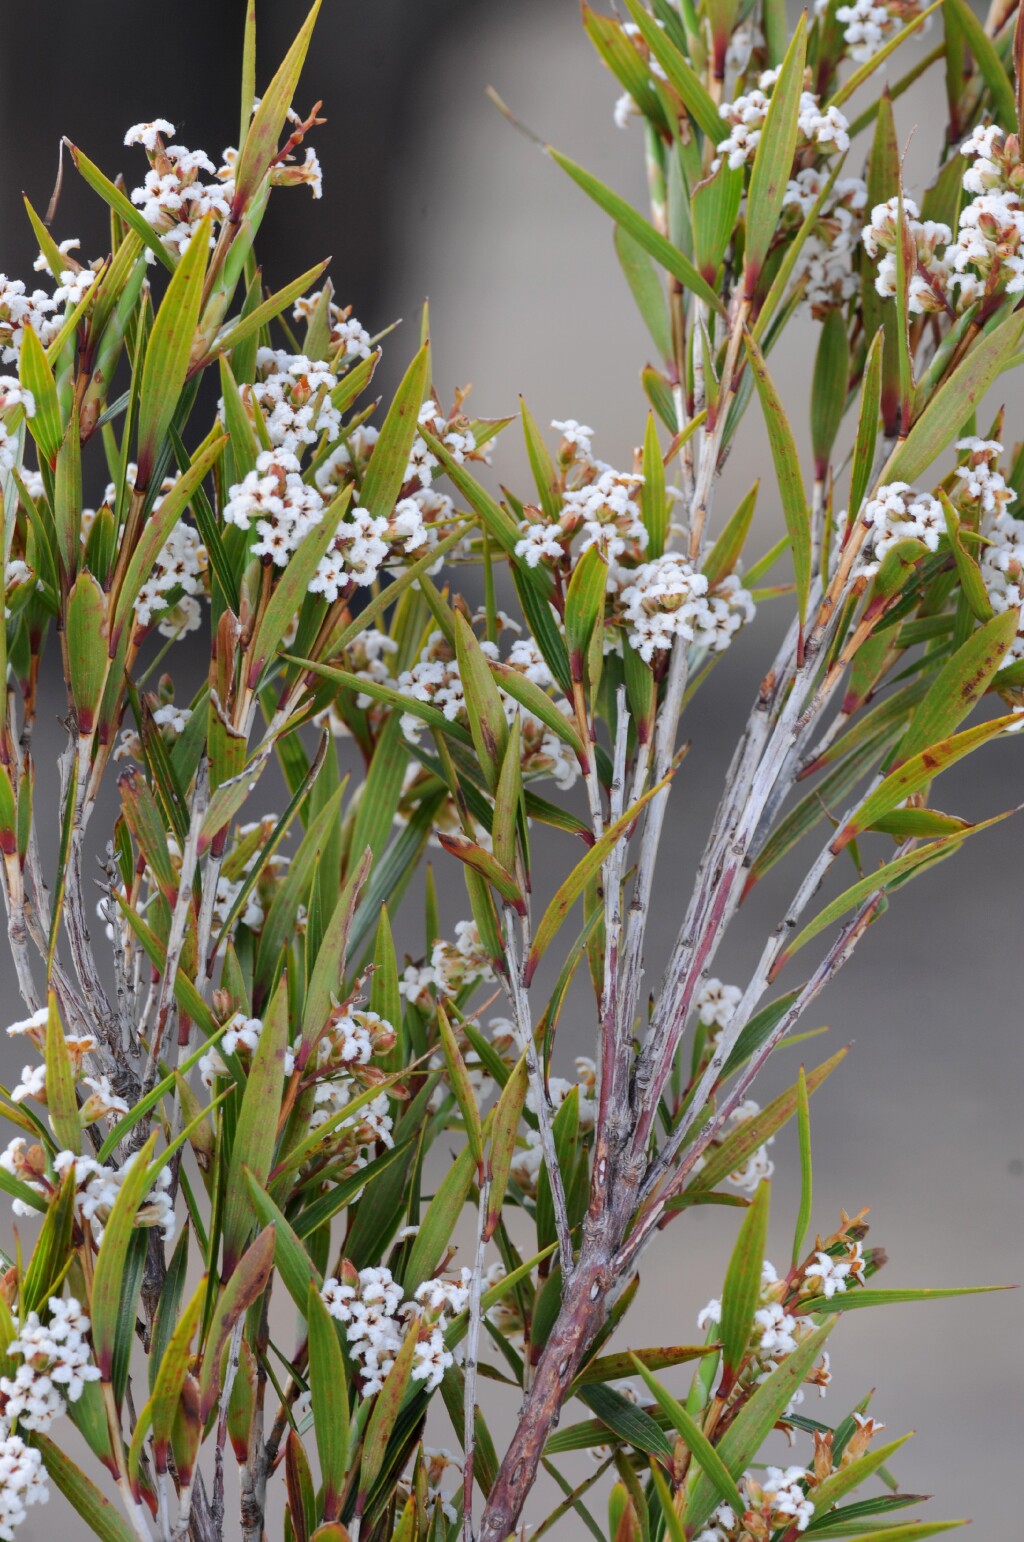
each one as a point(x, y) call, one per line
point(537, 702)
point(653, 502)
point(508, 802)
point(255, 1136)
point(850, 1476)
point(852, 1300)
point(627, 1422)
point(748, 1431)
point(584, 604)
point(61, 1104)
point(957, 397)
point(682, 77)
point(167, 352)
point(914, 1531)
point(261, 142)
point(727, 550)
point(742, 1289)
point(385, 1411)
point(174, 1365)
point(87, 648)
point(691, 1434)
point(242, 1290)
point(328, 1385)
point(328, 970)
point(737, 1149)
point(646, 288)
point(585, 870)
point(248, 325)
point(158, 528)
point(883, 878)
point(787, 472)
point(773, 160)
point(644, 233)
point(85, 1499)
point(461, 1086)
point(958, 686)
point(915, 772)
point(291, 1260)
point(504, 1132)
point(487, 721)
point(67, 495)
point(615, 1366)
point(542, 466)
point(105, 1303)
point(36, 376)
point(121, 206)
point(715, 204)
point(291, 588)
point(971, 581)
point(990, 65)
point(828, 389)
point(803, 1124)
point(439, 1222)
point(389, 462)
point(867, 425)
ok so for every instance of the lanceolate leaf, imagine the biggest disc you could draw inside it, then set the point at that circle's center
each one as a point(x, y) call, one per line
point(788, 474)
point(390, 459)
point(690, 1432)
point(255, 1133)
point(893, 873)
point(578, 879)
point(504, 1132)
point(105, 1303)
point(644, 233)
point(647, 289)
point(868, 1296)
point(958, 396)
point(773, 160)
point(958, 686)
point(743, 1439)
point(328, 1385)
point(738, 1147)
point(168, 349)
point(85, 1499)
point(261, 142)
point(742, 1289)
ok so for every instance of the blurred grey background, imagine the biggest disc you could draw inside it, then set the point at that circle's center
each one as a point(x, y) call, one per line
point(428, 191)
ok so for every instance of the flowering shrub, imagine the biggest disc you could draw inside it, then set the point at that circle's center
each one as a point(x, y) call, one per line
point(243, 1242)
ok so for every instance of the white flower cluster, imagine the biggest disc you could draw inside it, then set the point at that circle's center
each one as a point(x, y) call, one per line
point(376, 1319)
point(18, 309)
point(605, 512)
point(451, 968)
point(98, 1188)
point(355, 556)
point(456, 436)
point(825, 128)
point(23, 1481)
point(435, 680)
point(668, 598)
point(825, 266)
point(172, 197)
point(348, 338)
point(56, 1363)
point(987, 255)
point(778, 1497)
point(1002, 556)
point(352, 1039)
point(867, 24)
point(898, 513)
point(274, 500)
point(181, 565)
point(776, 1333)
point(827, 1276)
point(241, 1037)
point(717, 1003)
point(294, 398)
